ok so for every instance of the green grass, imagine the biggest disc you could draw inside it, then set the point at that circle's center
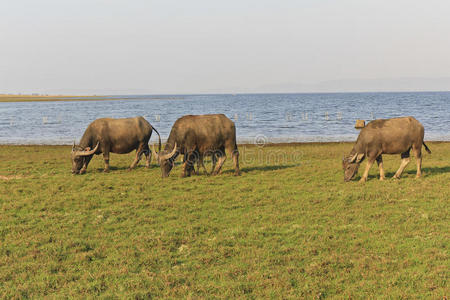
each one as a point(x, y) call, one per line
point(289, 227)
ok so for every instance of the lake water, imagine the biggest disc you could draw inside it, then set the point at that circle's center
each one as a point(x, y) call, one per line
point(262, 117)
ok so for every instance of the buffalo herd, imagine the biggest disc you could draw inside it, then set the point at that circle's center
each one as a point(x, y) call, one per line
point(199, 136)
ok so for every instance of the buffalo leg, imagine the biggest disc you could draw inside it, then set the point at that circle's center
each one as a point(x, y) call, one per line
point(235, 155)
point(219, 165)
point(106, 159)
point(85, 164)
point(185, 169)
point(188, 164)
point(232, 148)
point(380, 166)
point(148, 157)
point(418, 155)
point(199, 160)
point(214, 162)
point(220, 154)
point(139, 152)
point(405, 161)
point(197, 171)
point(369, 164)
point(184, 166)
point(201, 163)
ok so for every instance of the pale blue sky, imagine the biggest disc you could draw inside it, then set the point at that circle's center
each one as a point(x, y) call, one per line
point(120, 47)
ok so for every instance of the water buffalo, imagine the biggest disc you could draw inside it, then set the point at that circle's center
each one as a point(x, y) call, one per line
point(390, 136)
point(113, 135)
point(196, 137)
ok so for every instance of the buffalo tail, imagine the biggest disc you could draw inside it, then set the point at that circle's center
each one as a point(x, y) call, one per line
point(426, 148)
point(159, 138)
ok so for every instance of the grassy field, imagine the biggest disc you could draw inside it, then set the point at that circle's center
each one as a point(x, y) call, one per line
point(289, 227)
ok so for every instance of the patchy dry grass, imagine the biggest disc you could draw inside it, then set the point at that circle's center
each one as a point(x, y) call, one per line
point(289, 227)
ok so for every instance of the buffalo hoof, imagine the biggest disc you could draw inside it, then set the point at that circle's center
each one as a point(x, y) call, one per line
point(237, 173)
point(382, 178)
point(363, 180)
point(418, 176)
point(106, 170)
point(395, 177)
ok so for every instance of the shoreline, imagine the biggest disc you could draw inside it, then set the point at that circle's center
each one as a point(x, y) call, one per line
point(48, 98)
point(67, 98)
point(11, 98)
point(280, 144)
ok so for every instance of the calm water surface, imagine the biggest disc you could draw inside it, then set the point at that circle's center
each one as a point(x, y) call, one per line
point(266, 117)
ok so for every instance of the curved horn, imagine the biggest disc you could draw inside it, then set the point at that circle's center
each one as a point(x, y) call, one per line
point(87, 153)
point(154, 153)
point(167, 156)
point(357, 158)
point(352, 159)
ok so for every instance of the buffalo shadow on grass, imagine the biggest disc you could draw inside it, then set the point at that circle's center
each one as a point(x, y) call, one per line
point(124, 168)
point(263, 168)
point(427, 171)
point(436, 170)
point(256, 168)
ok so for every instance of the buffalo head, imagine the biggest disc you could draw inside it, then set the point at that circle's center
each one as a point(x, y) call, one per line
point(165, 160)
point(350, 165)
point(81, 157)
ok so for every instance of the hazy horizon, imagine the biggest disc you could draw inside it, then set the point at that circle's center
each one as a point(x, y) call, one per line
point(171, 47)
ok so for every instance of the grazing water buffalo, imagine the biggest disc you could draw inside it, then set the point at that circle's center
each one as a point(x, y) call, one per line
point(391, 136)
point(196, 137)
point(113, 135)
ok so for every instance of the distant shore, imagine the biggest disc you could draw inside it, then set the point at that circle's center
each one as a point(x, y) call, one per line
point(38, 98)
point(31, 98)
